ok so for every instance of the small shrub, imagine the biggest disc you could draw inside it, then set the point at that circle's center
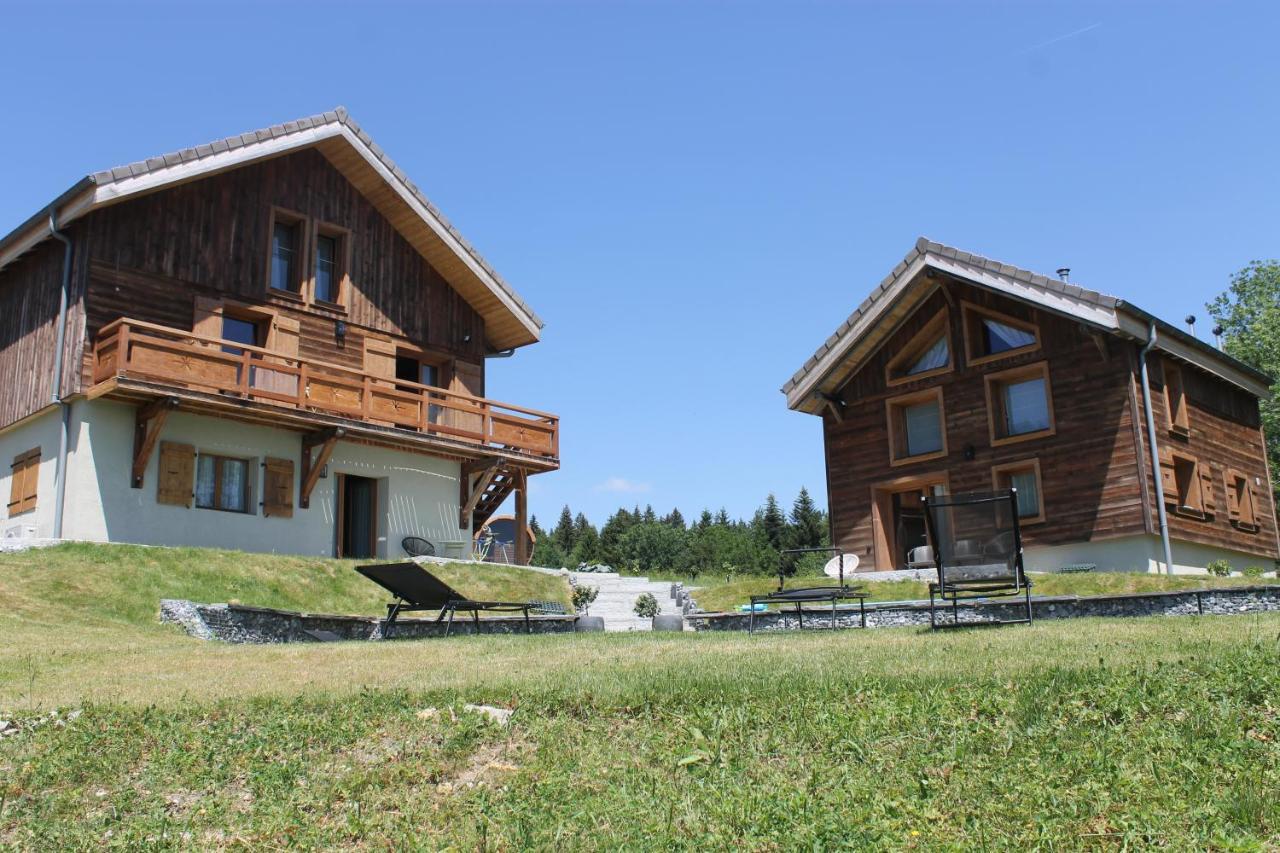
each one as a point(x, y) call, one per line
point(647, 606)
point(1219, 568)
point(1253, 571)
point(583, 596)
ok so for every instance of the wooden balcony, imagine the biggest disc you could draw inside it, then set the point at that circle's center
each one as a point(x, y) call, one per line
point(132, 358)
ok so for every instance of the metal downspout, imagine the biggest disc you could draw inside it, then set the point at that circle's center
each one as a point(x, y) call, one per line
point(60, 472)
point(1155, 451)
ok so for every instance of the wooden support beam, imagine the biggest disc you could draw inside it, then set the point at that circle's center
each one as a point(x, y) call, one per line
point(146, 432)
point(326, 440)
point(472, 492)
point(522, 517)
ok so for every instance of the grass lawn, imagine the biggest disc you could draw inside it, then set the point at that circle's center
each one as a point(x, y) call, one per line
point(717, 596)
point(1073, 734)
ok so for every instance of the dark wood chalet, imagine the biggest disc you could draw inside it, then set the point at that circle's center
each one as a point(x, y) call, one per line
point(277, 327)
point(962, 374)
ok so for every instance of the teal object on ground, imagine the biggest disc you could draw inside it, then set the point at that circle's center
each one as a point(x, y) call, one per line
point(747, 608)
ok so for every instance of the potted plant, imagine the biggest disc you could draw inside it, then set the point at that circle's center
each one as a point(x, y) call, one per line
point(647, 607)
point(583, 595)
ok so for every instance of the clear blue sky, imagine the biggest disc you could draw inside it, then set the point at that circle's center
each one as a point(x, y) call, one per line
point(694, 196)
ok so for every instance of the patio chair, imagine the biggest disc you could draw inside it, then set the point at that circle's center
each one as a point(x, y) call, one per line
point(977, 546)
point(416, 546)
point(415, 588)
point(800, 596)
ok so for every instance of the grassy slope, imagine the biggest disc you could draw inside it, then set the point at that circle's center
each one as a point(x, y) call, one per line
point(1138, 733)
point(123, 584)
point(722, 596)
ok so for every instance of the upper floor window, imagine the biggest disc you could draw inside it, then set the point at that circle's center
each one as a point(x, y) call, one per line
point(285, 270)
point(411, 368)
point(928, 353)
point(990, 335)
point(1175, 400)
point(329, 274)
point(917, 427)
point(1019, 405)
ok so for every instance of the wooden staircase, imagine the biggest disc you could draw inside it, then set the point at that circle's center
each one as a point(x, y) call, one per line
point(483, 486)
point(502, 485)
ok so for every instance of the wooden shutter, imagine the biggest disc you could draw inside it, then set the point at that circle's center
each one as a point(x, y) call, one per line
point(468, 378)
point(25, 479)
point(379, 357)
point(285, 332)
point(277, 489)
point(207, 317)
point(1168, 479)
point(1206, 489)
point(177, 474)
point(1231, 482)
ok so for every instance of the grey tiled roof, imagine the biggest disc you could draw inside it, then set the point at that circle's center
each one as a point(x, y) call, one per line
point(335, 116)
point(925, 245)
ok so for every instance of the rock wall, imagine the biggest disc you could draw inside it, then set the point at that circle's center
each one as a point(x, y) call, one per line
point(238, 623)
point(1253, 599)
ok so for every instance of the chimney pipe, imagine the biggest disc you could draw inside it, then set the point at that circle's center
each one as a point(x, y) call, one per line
point(1064, 273)
point(1217, 336)
point(1191, 324)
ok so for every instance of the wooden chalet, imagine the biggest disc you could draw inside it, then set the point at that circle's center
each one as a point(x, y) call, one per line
point(271, 342)
point(963, 374)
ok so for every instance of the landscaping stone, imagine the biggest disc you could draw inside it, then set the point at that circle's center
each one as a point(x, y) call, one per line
point(1232, 600)
point(501, 716)
point(238, 623)
point(589, 624)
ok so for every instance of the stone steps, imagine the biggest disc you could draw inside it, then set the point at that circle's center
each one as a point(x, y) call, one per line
point(617, 596)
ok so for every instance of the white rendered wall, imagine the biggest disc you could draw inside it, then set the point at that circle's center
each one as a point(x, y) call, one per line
point(1137, 554)
point(39, 431)
point(417, 494)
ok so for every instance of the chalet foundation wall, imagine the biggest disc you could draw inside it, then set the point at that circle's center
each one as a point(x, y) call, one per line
point(235, 623)
point(38, 431)
point(1236, 600)
point(417, 494)
point(1138, 554)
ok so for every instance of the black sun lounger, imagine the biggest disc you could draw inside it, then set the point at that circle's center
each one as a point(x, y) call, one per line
point(801, 596)
point(977, 544)
point(417, 589)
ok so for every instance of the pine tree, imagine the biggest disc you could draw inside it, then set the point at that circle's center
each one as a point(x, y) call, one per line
point(674, 519)
point(705, 520)
point(722, 517)
point(580, 527)
point(563, 534)
point(535, 527)
point(650, 517)
point(808, 528)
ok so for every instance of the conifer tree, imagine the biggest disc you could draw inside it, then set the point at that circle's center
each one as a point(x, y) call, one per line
point(808, 527)
point(563, 534)
point(674, 519)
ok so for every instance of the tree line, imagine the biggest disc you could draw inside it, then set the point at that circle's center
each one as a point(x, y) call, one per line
point(641, 541)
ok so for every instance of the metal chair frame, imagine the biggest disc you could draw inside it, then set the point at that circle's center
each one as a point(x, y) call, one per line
point(812, 594)
point(957, 591)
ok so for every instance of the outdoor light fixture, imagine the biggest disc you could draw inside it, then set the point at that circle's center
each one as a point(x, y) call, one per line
point(340, 332)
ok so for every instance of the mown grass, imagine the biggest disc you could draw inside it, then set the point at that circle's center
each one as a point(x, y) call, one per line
point(1091, 734)
point(718, 596)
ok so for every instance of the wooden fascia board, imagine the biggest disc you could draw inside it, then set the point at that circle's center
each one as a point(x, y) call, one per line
point(38, 229)
point(1138, 329)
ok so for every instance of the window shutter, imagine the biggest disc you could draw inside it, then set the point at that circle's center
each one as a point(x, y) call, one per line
point(206, 317)
point(24, 481)
point(1206, 490)
point(177, 472)
point(277, 491)
point(1169, 480)
point(1232, 484)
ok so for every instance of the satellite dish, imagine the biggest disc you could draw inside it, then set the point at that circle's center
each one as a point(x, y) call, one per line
point(832, 568)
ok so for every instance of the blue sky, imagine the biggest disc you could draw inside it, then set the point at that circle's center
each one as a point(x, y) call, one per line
point(693, 196)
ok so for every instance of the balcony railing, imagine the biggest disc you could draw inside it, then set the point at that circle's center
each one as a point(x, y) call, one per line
point(134, 349)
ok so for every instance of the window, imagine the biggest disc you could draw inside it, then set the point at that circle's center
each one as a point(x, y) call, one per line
point(1175, 400)
point(917, 427)
point(1025, 477)
point(410, 368)
point(284, 270)
point(990, 335)
point(928, 353)
point(240, 331)
point(1019, 404)
point(1188, 486)
point(1240, 507)
point(330, 272)
point(25, 476)
point(222, 483)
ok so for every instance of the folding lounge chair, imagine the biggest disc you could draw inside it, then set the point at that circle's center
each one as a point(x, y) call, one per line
point(977, 545)
point(800, 596)
point(415, 588)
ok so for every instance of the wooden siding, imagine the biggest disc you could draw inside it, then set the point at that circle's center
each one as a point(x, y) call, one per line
point(29, 296)
point(153, 255)
point(1225, 433)
point(1089, 470)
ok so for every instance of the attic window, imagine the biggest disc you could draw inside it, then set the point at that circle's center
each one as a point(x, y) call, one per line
point(990, 335)
point(927, 354)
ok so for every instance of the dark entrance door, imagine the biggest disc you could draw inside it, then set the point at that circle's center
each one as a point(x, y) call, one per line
point(357, 516)
point(908, 512)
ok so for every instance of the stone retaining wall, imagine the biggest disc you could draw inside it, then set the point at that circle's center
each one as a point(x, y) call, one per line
point(238, 623)
point(1252, 599)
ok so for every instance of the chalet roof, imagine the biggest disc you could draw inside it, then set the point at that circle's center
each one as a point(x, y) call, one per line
point(509, 321)
point(897, 295)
